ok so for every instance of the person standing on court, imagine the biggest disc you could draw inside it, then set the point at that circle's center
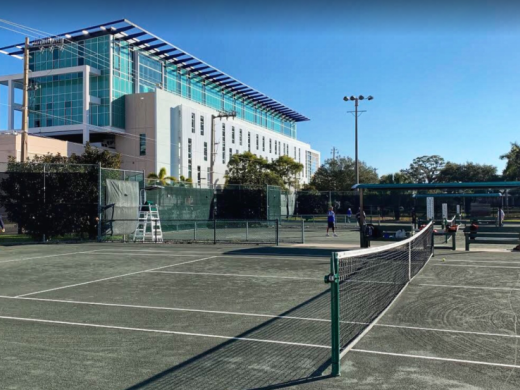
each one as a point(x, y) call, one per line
point(349, 214)
point(501, 216)
point(2, 226)
point(331, 221)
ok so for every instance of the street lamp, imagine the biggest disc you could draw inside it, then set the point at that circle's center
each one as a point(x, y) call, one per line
point(356, 100)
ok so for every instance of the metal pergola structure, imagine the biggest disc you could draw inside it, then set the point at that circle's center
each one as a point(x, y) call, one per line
point(504, 185)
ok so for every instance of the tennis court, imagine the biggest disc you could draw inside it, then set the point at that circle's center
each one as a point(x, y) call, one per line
point(116, 316)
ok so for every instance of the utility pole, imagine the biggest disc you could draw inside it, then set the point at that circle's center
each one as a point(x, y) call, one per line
point(222, 114)
point(25, 108)
point(334, 151)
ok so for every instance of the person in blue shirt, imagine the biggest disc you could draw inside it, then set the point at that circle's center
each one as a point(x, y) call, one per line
point(349, 214)
point(331, 221)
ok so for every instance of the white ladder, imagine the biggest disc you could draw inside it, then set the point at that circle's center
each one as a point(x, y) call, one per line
point(148, 227)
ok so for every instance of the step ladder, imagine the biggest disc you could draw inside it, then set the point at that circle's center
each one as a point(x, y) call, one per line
point(148, 227)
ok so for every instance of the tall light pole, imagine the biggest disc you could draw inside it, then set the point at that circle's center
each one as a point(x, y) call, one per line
point(25, 104)
point(363, 242)
point(356, 100)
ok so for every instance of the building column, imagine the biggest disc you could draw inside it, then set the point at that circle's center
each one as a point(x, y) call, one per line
point(86, 105)
point(10, 105)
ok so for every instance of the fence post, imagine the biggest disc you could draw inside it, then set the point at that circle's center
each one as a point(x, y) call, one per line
point(277, 232)
point(247, 230)
point(303, 231)
point(335, 306)
point(99, 203)
point(154, 229)
point(214, 231)
point(409, 261)
point(195, 231)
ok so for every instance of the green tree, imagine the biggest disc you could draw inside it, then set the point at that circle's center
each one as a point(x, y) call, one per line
point(512, 169)
point(249, 169)
point(396, 178)
point(339, 175)
point(287, 169)
point(468, 172)
point(425, 169)
point(161, 177)
point(91, 155)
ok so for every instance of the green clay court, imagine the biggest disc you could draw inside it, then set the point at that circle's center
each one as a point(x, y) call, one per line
point(115, 316)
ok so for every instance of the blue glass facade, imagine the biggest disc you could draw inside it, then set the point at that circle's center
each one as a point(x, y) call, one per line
point(59, 99)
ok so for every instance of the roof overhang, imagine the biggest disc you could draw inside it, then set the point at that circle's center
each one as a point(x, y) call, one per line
point(438, 186)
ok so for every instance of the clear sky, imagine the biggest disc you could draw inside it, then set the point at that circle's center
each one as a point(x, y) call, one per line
point(445, 75)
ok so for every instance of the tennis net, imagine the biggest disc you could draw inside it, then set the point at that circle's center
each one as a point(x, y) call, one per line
point(365, 282)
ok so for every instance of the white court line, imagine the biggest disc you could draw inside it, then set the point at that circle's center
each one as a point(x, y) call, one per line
point(165, 254)
point(161, 331)
point(255, 315)
point(242, 257)
point(112, 277)
point(235, 275)
point(473, 266)
point(165, 308)
point(474, 287)
point(436, 358)
point(482, 261)
point(44, 257)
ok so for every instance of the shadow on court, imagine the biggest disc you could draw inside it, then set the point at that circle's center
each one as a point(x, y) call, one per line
point(241, 364)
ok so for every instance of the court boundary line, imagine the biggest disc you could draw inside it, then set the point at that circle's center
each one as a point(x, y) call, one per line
point(436, 358)
point(473, 266)
point(470, 287)
point(166, 254)
point(160, 331)
point(47, 256)
point(483, 261)
point(358, 338)
point(236, 275)
point(111, 277)
point(165, 308)
point(274, 257)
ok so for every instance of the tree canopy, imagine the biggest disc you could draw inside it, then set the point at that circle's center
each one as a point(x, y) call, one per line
point(339, 175)
point(249, 169)
point(468, 172)
point(161, 177)
point(512, 169)
point(425, 169)
point(91, 155)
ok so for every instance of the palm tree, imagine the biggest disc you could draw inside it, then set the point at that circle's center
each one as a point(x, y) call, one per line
point(161, 177)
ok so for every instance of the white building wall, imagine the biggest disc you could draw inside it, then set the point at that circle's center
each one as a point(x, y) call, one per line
point(174, 130)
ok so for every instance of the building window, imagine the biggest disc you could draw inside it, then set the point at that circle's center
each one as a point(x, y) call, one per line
point(263, 144)
point(257, 142)
point(275, 147)
point(233, 134)
point(223, 143)
point(37, 123)
point(49, 122)
point(279, 148)
point(299, 155)
point(205, 151)
point(270, 145)
point(240, 137)
point(198, 174)
point(189, 157)
point(193, 123)
point(249, 141)
point(142, 144)
point(201, 125)
point(236, 151)
point(230, 153)
point(295, 152)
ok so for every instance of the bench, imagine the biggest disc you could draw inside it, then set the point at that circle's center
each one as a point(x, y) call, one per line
point(389, 231)
point(447, 236)
point(492, 235)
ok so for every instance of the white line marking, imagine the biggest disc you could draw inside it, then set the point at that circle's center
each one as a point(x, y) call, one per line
point(482, 261)
point(476, 287)
point(44, 257)
point(237, 257)
point(235, 275)
point(436, 358)
point(281, 257)
point(473, 266)
point(166, 254)
point(374, 323)
point(162, 331)
point(450, 331)
point(254, 315)
point(113, 277)
point(164, 308)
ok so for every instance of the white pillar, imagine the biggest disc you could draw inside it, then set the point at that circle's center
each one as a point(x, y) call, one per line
point(86, 105)
point(10, 105)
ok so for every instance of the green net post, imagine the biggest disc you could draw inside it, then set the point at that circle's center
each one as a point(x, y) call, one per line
point(303, 231)
point(277, 232)
point(334, 301)
point(99, 204)
point(215, 231)
point(247, 230)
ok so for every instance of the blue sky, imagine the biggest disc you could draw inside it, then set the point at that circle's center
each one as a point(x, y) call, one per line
point(445, 76)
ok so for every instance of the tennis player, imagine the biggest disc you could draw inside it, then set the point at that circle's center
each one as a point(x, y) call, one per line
point(2, 226)
point(331, 221)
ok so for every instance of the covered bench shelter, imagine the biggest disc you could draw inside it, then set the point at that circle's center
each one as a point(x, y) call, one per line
point(503, 185)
